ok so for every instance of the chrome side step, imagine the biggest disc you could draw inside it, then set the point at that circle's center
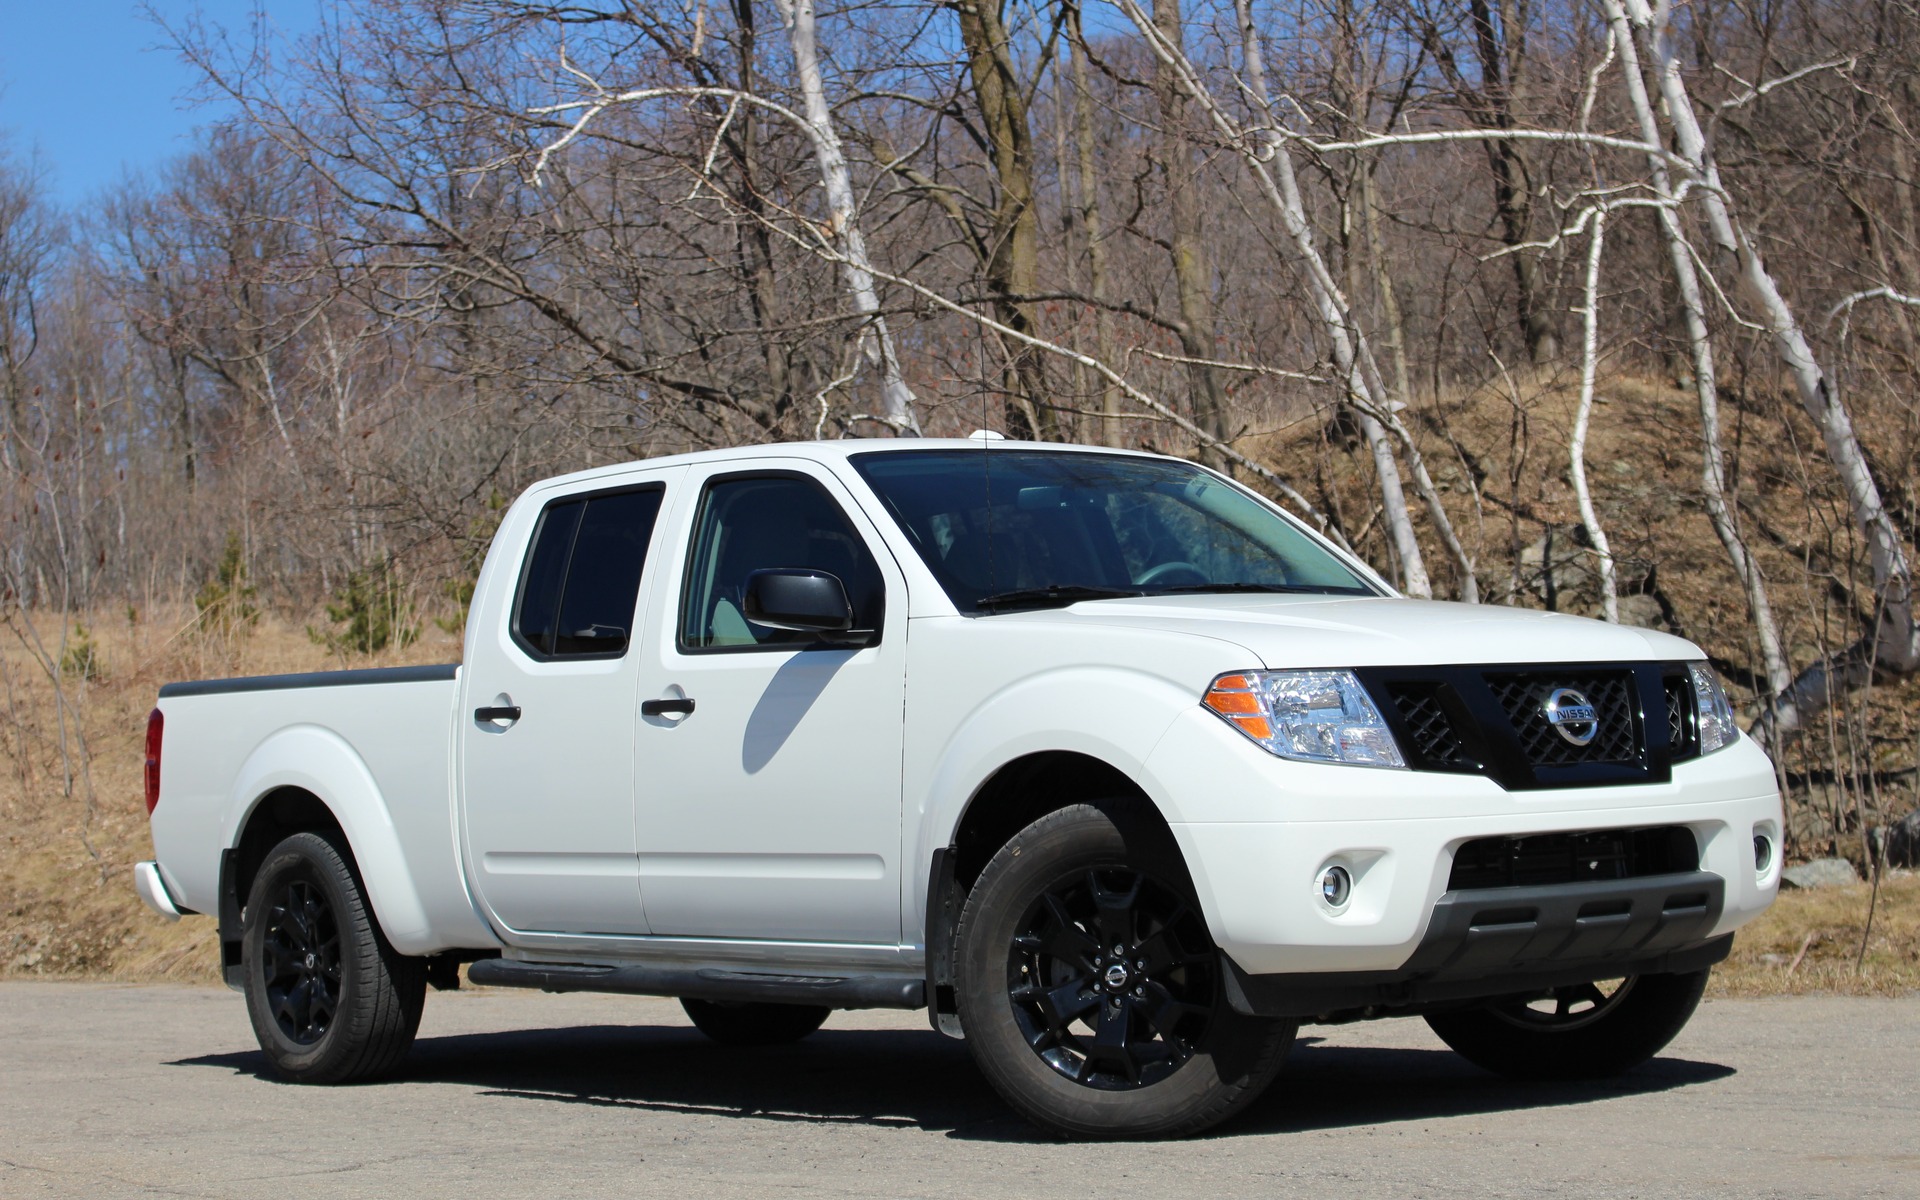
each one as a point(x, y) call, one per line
point(706, 983)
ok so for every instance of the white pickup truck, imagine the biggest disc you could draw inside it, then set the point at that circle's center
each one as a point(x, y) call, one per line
point(1116, 768)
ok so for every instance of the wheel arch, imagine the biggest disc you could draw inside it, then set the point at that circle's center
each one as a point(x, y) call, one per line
point(308, 779)
point(1014, 796)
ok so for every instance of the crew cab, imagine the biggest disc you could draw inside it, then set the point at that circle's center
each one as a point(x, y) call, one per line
point(1112, 765)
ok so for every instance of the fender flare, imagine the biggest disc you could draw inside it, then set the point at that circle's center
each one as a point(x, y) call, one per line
point(319, 761)
point(1124, 712)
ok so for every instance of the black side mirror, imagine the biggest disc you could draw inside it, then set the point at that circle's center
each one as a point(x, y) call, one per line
point(803, 599)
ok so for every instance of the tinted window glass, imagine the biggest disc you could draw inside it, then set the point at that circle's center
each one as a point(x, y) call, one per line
point(583, 577)
point(1002, 528)
point(545, 575)
point(751, 524)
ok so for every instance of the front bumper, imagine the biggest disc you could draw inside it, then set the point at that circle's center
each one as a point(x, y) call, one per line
point(1256, 832)
point(1495, 941)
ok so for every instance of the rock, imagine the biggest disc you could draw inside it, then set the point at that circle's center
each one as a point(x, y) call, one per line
point(1820, 873)
point(1643, 611)
point(1898, 844)
point(1559, 565)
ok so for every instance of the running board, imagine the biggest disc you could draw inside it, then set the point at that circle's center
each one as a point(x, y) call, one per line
point(706, 983)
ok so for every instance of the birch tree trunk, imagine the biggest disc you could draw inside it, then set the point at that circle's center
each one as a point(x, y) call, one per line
point(1700, 348)
point(1577, 444)
point(1271, 165)
point(1895, 643)
point(897, 399)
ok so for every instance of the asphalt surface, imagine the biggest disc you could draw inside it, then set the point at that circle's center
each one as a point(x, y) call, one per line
point(110, 1091)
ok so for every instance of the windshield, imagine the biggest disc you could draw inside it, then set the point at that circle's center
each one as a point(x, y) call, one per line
point(1004, 529)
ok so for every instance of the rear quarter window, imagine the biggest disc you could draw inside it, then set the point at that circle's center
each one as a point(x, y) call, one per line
point(581, 581)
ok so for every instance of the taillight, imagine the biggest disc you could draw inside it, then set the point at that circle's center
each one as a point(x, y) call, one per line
point(155, 724)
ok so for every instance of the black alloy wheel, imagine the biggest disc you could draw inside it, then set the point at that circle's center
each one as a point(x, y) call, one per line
point(1112, 978)
point(1090, 990)
point(1581, 1031)
point(1565, 1008)
point(301, 961)
point(330, 999)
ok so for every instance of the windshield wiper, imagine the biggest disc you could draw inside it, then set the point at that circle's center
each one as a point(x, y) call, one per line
point(1288, 589)
point(1054, 594)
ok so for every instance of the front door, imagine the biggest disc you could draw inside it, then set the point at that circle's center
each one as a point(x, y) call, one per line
point(548, 714)
point(771, 810)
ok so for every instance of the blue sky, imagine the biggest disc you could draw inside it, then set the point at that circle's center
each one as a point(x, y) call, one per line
point(91, 86)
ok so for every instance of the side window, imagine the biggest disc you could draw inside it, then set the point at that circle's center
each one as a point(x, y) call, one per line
point(582, 577)
point(749, 524)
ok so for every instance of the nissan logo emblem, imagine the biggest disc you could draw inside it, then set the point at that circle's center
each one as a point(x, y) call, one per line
point(1571, 716)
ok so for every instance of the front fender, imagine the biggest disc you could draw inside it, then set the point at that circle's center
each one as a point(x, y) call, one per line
point(317, 760)
point(1111, 713)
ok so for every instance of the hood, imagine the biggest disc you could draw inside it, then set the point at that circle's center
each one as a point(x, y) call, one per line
point(1365, 631)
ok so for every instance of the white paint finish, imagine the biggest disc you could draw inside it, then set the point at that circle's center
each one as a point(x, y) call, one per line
point(548, 799)
point(787, 770)
point(983, 692)
point(147, 885)
point(1257, 830)
point(620, 864)
point(762, 866)
point(769, 829)
point(224, 752)
point(1353, 631)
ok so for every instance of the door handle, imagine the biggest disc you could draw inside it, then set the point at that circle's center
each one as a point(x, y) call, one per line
point(497, 712)
point(660, 708)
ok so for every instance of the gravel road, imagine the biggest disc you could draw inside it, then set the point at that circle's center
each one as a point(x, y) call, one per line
point(109, 1091)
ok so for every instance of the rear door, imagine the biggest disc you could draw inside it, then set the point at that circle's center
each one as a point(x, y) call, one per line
point(548, 715)
point(771, 810)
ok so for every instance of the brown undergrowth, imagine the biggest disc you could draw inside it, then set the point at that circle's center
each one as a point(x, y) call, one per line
point(72, 813)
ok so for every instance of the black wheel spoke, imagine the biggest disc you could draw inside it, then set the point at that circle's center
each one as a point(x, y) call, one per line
point(1112, 1043)
point(300, 962)
point(1165, 1013)
point(1114, 910)
point(1111, 978)
point(1163, 951)
point(1064, 938)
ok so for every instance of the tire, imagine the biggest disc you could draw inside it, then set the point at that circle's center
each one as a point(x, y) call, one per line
point(1083, 1044)
point(752, 1023)
point(1586, 1031)
point(331, 1001)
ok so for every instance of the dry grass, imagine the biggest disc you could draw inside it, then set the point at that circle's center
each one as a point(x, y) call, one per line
point(71, 810)
point(1809, 942)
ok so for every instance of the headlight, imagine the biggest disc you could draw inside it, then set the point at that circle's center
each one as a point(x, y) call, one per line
point(1712, 714)
point(1314, 716)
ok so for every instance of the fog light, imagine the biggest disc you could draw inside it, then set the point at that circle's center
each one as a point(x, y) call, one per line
point(1762, 853)
point(1335, 886)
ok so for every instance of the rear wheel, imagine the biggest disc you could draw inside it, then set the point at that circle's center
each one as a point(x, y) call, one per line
point(1583, 1031)
point(1091, 992)
point(330, 1000)
point(753, 1023)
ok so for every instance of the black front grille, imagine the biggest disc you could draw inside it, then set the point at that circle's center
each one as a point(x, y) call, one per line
point(1492, 720)
point(1524, 698)
point(1436, 743)
point(1680, 717)
point(1550, 858)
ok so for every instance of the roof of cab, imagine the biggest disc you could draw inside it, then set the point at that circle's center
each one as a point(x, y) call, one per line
point(827, 451)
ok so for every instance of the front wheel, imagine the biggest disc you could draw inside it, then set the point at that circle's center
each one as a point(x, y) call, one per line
point(331, 1001)
point(1091, 992)
point(1584, 1031)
